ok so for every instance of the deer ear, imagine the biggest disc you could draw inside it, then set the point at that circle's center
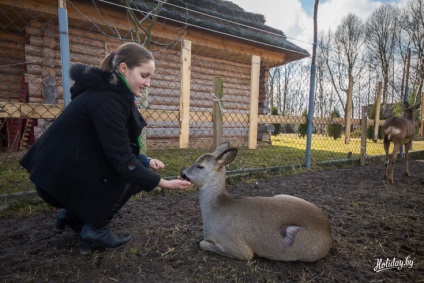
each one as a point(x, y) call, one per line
point(226, 157)
point(222, 147)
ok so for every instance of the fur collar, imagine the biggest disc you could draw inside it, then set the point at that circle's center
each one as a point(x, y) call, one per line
point(92, 78)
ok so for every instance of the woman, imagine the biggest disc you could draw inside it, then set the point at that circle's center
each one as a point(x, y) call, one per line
point(88, 162)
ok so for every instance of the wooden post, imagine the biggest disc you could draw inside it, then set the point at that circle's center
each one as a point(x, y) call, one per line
point(254, 98)
point(364, 122)
point(185, 93)
point(377, 112)
point(217, 114)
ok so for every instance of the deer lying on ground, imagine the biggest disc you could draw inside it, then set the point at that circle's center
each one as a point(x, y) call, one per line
point(282, 227)
point(400, 131)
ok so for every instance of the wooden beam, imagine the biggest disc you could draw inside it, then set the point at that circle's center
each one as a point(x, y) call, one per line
point(254, 98)
point(185, 93)
point(297, 120)
point(277, 119)
point(30, 110)
point(51, 111)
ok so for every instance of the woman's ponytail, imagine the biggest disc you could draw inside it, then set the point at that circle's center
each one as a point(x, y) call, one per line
point(107, 62)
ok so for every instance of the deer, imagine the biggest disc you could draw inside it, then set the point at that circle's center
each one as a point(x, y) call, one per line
point(280, 228)
point(399, 131)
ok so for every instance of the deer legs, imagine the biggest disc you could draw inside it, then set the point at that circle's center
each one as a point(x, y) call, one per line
point(386, 163)
point(390, 161)
point(241, 253)
point(407, 148)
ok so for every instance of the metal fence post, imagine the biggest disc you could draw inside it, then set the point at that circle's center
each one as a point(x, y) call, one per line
point(64, 50)
point(311, 92)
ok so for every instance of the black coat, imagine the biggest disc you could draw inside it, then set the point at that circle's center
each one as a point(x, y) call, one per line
point(89, 153)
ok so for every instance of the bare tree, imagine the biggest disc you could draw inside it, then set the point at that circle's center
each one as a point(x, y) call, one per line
point(325, 50)
point(273, 82)
point(412, 24)
point(291, 89)
point(381, 39)
point(324, 94)
point(349, 41)
point(286, 86)
point(341, 53)
point(403, 44)
point(287, 74)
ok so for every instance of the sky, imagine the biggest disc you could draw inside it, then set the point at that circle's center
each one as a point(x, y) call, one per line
point(295, 17)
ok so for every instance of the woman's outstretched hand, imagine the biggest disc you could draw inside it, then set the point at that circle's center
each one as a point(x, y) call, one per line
point(156, 165)
point(175, 184)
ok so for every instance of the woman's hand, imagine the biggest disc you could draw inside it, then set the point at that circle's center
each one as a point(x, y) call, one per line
point(156, 165)
point(175, 184)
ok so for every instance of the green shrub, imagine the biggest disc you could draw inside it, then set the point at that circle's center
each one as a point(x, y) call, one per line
point(355, 133)
point(335, 130)
point(303, 128)
point(277, 127)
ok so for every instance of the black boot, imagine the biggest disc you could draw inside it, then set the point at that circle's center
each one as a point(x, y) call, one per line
point(67, 218)
point(102, 238)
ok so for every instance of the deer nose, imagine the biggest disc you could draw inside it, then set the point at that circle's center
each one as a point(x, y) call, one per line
point(184, 176)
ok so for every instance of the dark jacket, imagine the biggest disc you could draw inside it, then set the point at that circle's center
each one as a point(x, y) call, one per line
point(89, 153)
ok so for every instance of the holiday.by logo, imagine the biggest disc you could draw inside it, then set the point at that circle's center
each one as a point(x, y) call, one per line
point(382, 265)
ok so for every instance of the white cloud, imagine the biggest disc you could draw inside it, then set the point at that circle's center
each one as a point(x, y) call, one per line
point(287, 15)
point(290, 17)
point(331, 12)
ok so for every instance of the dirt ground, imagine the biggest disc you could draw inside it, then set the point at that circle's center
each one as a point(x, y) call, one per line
point(373, 224)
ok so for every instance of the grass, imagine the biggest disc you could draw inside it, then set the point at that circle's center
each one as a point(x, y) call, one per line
point(286, 155)
point(12, 174)
point(324, 147)
point(286, 150)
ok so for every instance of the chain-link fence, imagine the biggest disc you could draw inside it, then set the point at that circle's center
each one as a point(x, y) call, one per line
point(201, 93)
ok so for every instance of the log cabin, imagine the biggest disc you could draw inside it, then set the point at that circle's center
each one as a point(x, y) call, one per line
point(221, 37)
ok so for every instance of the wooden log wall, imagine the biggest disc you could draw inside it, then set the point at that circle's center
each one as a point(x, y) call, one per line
point(37, 47)
point(165, 95)
point(12, 60)
point(42, 54)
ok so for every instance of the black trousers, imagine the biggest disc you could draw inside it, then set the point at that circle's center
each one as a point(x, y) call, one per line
point(130, 190)
point(47, 197)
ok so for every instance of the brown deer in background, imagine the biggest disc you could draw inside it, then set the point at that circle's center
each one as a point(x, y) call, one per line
point(400, 131)
point(282, 227)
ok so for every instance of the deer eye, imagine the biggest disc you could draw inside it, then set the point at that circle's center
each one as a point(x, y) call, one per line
point(199, 167)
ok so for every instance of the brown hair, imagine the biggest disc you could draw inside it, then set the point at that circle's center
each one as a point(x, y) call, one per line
point(130, 53)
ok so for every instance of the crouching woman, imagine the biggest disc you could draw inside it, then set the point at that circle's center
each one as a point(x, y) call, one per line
point(87, 162)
